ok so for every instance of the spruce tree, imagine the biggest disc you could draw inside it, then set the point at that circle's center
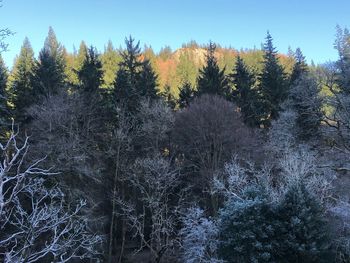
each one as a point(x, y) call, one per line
point(273, 85)
point(147, 81)
point(247, 230)
point(299, 68)
point(91, 75)
point(50, 72)
point(4, 110)
point(135, 78)
point(186, 94)
point(126, 86)
point(211, 79)
point(21, 85)
point(244, 94)
point(303, 233)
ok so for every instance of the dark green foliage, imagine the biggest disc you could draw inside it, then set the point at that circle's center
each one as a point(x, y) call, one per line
point(135, 78)
point(21, 85)
point(185, 95)
point(90, 74)
point(248, 229)
point(303, 235)
point(300, 67)
point(211, 79)
point(168, 97)
point(147, 80)
point(50, 75)
point(4, 110)
point(273, 85)
point(245, 94)
point(307, 103)
point(258, 229)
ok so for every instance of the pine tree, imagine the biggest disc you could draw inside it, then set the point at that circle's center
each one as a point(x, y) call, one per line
point(50, 72)
point(273, 85)
point(90, 75)
point(4, 110)
point(21, 84)
point(245, 95)
point(299, 68)
point(303, 233)
point(186, 94)
point(211, 79)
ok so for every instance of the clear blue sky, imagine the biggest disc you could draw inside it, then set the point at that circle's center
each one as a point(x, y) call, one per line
point(308, 24)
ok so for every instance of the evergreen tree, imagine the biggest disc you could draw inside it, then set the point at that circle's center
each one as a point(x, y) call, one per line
point(135, 78)
point(273, 86)
point(21, 84)
point(244, 94)
point(147, 81)
point(90, 74)
point(303, 234)
point(168, 97)
point(299, 68)
point(247, 228)
point(4, 110)
point(75, 63)
point(186, 94)
point(50, 72)
point(211, 79)
point(126, 88)
point(307, 103)
point(110, 60)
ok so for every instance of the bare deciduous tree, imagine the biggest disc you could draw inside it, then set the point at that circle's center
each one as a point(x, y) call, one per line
point(155, 182)
point(35, 222)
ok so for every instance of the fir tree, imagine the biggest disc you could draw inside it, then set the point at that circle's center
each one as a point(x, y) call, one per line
point(245, 95)
point(186, 94)
point(90, 74)
point(273, 84)
point(299, 68)
point(211, 79)
point(21, 84)
point(303, 233)
point(50, 72)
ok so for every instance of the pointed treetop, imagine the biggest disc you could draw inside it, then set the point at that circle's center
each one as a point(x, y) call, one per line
point(268, 45)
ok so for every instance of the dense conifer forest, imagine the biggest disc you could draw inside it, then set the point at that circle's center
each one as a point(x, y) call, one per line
point(203, 154)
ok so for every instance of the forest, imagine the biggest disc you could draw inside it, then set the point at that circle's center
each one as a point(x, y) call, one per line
point(204, 154)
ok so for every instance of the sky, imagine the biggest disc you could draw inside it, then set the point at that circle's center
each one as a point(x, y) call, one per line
point(308, 24)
